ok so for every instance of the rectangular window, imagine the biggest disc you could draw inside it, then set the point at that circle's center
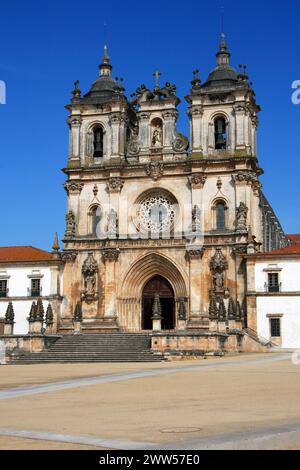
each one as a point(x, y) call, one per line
point(3, 288)
point(275, 327)
point(273, 282)
point(35, 287)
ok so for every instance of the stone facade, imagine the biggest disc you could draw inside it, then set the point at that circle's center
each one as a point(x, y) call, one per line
point(147, 203)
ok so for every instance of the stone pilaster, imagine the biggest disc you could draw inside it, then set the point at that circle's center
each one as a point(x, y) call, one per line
point(110, 258)
point(194, 256)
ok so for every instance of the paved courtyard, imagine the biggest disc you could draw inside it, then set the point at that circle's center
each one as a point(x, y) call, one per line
point(240, 402)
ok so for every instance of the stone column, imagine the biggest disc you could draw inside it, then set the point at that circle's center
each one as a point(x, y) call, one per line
point(195, 249)
point(74, 122)
point(110, 257)
point(144, 118)
point(240, 126)
point(194, 257)
point(170, 118)
point(195, 114)
point(73, 189)
point(115, 186)
point(115, 121)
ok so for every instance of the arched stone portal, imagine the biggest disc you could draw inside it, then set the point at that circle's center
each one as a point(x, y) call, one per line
point(158, 285)
point(130, 298)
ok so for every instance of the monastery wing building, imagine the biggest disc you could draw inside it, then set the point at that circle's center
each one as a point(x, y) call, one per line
point(158, 223)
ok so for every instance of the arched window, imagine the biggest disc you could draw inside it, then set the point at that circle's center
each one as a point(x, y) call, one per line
point(95, 215)
point(220, 215)
point(98, 142)
point(220, 134)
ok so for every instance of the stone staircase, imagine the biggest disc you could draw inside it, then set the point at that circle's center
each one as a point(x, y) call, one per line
point(106, 347)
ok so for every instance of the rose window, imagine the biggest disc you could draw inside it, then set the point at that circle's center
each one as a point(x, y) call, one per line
point(157, 213)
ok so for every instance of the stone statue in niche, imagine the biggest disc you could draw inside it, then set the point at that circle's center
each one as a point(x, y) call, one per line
point(196, 219)
point(157, 136)
point(112, 225)
point(218, 266)
point(70, 225)
point(89, 273)
point(241, 217)
point(133, 142)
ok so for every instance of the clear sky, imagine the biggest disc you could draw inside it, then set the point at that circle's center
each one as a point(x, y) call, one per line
point(46, 45)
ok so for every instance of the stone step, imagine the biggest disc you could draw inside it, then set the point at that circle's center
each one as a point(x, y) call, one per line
point(107, 347)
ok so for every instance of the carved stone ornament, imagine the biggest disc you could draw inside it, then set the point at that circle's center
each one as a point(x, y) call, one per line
point(194, 253)
point(155, 170)
point(239, 250)
point(157, 137)
point(110, 254)
point(196, 219)
point(70, 225)
point(180, 143)
point(89, 273)
point(73, 186)
point(49, 315)
point(115, 185)
point(95, 190)
point(218, 266)
point(112, 224)
point(133, 147)
point(69, 256)
point(241, 217)
point(182, 310)
point(197, 181)
point(74, 121)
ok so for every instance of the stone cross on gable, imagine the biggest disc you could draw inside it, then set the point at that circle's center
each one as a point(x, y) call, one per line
point(156, 74)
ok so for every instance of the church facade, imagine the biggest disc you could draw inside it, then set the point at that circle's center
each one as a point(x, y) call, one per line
point(158, 224)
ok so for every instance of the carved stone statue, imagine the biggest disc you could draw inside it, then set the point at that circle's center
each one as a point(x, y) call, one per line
point(70, 225)
point(157, 137)
point(112, 225)
point(133, 142)
point(241, 217)
point(196, 219)
point(218, 266)
point(180, 143)
point(89, 272)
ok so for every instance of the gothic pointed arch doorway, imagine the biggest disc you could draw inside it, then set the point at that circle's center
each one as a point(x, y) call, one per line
point(158, 285)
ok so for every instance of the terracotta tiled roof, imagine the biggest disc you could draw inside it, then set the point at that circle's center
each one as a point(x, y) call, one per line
point(287, 250)
point(294, 238)
point(23, 253)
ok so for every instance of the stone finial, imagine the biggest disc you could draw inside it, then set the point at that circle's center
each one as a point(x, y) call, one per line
point(222, 311)
point(32, 313)
point(213, 308)
point(55, 246)
point(76, 92)
point(39, 314)
point(49, 315)
point(10, 314)
point(239, 313)
point(182, 310)
point(156, 309)
point(231, 309)
point(78, 312)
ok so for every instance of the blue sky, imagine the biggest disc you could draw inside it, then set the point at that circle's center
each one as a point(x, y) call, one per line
point(46, 45)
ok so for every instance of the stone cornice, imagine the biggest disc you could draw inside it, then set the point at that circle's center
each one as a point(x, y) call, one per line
point(273, 294)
